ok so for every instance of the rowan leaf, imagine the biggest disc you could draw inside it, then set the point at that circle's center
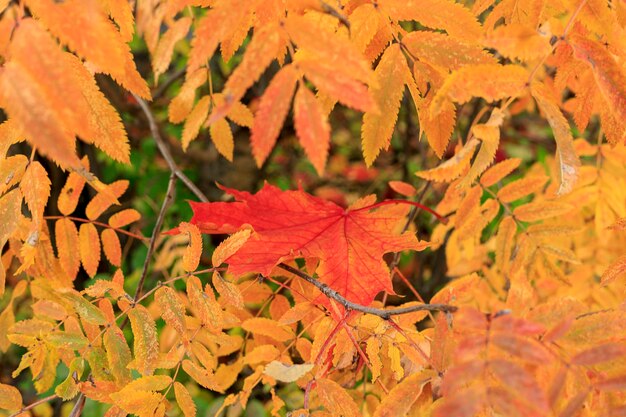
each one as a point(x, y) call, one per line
point(67, 241)
point(146, 345)
point(402, 397)
point(89, 248)
point(118, 354)
point(518, 41)
point(195, 121)
point(336, 399)
point(272, 112)
point(35, 187)
point(191, 256)
point(541, 210)
point(312, 127)
point(124, 218)
point(500, 170)
point(378, 125)
point(454, 167)
point(521, 188)
point(222, 137)
point(229, 246)
point(600, 354)
point(403, 188)
point(489, 135)
point(202, 376)
point(11, 171)
point(182, 104)
point(10, 397)
point(172, 309)
point(184, 400)
point(614, 270)
point(285, 372)
point(165, 48)
point(204, 304)
point(349, 243)
point(269, 328)
point(87, 311)
point(111, 247)
point(106, 197)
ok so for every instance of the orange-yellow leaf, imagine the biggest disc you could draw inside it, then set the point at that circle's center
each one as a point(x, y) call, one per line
point(171, 308)
point(146, 345)
point(35, 187)
point(222, 138)
point(400, 399)
point(378, 126)
point(184, 400)
point(312, 127)
point(66, 235)
point(229, 246)
point(453, 167)
point(336, 400)
point(204, 304)
point(489, 135)
point(165, 48)
point(518, 41)
point(521, 188)
point(269, 328)
point(10, 397)
point(182, 104)
point(229, 293)
point(616, 269)
point(541, 210)
point(124, 218)
point(403, 188)
point(105, 198)
point(499, 171)
point(195, 120)
point(191, 257)
point(273, 108)
point(89, 248)
point(111, 246)
point(11, 171)
point(202, 376)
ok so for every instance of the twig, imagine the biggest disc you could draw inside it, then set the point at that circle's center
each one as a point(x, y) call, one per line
point(349, 305)
point(154, 129)
point(35, 404)
point(163, 87)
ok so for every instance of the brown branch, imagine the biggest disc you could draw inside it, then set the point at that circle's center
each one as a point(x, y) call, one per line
point(154, 129)
point(35, 404)
point(349, 305)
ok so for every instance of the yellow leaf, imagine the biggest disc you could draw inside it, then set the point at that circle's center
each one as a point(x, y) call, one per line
point(87, 311)
point(364, 23)
point(35, 187)
point(184, 400)
point(145, 346)
point(172, 309)
point(489, 135)
point(149, 383)
point(118, 354)
point(400, 399)
point(89, 248)
point(261, 354)
point(195, 120)
point(222, 138)
point(182, 104)
point(566, 154)
point(229, 293)
point(336, 399)
point(378, 126)
point(521, 188)
point(499, 171)
point(230, 246)
point(269, 328)
point(141, 403)
point(541, 210)
point(273, 108)
point(165, 48)
point(203, 302)
point(10, 397)
point(372, 348)
point(202, 376)
point(285, 372)
point(393, 353)
point(504, 243)
point(454, 167)
point(191, 257)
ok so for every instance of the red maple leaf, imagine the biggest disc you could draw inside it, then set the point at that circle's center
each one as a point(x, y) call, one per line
point(349, 243)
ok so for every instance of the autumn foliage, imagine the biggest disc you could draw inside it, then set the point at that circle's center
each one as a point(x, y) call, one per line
point(485, 279)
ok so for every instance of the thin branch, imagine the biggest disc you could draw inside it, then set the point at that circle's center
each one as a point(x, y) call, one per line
point(154, 129)
point(349, 305)
point(35, 404)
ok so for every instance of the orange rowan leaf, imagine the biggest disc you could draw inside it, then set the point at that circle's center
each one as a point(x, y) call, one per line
point(269, 328)
point(489, 135)
point(452, 17)
point(10, 397)
point(312, 127)
point(518, 41)
point(286, 372)
point(93, 36)
point(124, 218)
point(521, 383)
point(182, 104)
point(106, 198)
point(165, 48)
point(272, 112)
point(620, 224)
point(609, 74)
point(523, 348)
point(140, 403)
point(402, 397)
point(541, 210)
point(67, 241)
point(111, 246)
point(184, 400)
point(118, 354)
point(465, 403)
point(454, 167)
point(364, 23)
point(349, 243)
point(403, 188)
point(121, 12)
point(617, 383)
point(574, 405)
point(89, 248)
point(336, 399)
point(438, 128)
point(230, 246)
point(567, 159)
point(195, 121)
point(69, 195)
point(202, 376)
point(378, 125)
point(145, 345)
point(489, 81)
point(261, 354)
point(521, 188)
point(11, 171)
point(600, 354)
point(504, 243)
point(614, 270)
point(222, 138)
point(172, 309)
point(499, 171)
point(35, 187)
point(191, 257)
point(204, 304)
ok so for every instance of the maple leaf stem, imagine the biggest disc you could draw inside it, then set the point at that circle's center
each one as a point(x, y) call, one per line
point(349, 305)
point(439, 217)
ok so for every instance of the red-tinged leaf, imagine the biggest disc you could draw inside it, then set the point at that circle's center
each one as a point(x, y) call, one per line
point(165, 48)
point(567, 159)
point(335, 399)
point(66, 235)
point(617, 383)
point(111, 247)
point(35, 187)
point(124, 218)
point(349, 243)
point(171, 307)
point(146, 345)
point(521, 382)
point(524, 348)
point(600, 354)
point(106, 198)
point(609, 73)
point(500, 170)
point(10, 397)
point(345, 89)
point(89, 248)
point(464, 403)
point(193, 252)
point(378, 125)
point(574, 404)
point(312, 127)
point(272, 112)
point(614, 270)
point(403, 188)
